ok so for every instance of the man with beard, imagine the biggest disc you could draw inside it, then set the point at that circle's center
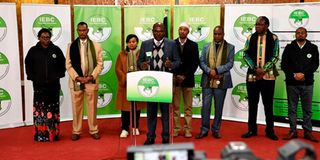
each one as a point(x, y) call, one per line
point(184, 79)
point(300, 60)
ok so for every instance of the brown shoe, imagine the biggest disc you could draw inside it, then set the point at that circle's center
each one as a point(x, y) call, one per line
point(187, 134)
point(75, 137)
point(175, 134)
point(290, 135)
point(95, 136)
point(216, 135)
point(310, 137)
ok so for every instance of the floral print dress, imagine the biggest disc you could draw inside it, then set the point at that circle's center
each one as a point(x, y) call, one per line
point(46, 115)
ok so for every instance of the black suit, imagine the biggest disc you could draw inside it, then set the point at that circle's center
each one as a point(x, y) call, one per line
point(189, 56)
point(189, 61)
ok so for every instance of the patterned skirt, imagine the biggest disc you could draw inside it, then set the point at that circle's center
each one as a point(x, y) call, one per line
point(46, 115)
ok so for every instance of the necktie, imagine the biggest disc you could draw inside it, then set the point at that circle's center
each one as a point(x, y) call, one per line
point(85, 58)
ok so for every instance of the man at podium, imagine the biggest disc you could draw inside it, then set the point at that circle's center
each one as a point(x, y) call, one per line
point(158, 54)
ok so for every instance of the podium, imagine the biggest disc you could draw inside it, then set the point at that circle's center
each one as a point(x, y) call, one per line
point(150, 86)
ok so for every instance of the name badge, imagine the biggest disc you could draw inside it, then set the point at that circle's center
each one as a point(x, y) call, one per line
point(148, 54)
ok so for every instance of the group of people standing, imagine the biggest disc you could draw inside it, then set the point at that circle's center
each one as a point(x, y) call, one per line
point(45, 65)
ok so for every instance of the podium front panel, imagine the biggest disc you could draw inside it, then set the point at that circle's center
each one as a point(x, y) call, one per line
point(149, 86)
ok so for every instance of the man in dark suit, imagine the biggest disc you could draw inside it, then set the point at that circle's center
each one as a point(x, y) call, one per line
point(216, 62)
point(158, 54)
point(184, 79)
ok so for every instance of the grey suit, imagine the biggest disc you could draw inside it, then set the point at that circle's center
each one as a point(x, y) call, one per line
point(170, 51)
point(218, 93)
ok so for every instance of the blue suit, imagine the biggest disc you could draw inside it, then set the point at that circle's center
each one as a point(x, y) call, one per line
point(170, 51)
point(218, 93)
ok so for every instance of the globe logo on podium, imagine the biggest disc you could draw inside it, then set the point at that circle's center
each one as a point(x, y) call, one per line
point(148, 86)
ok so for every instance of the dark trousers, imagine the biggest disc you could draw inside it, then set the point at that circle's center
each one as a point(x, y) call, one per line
point(266, 88)
point(152, 111)
point(305, 94)
point(125, 118)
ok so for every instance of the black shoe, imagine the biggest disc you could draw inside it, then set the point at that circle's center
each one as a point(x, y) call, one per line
point(201, 135)
point(75, 137)
point(272, 136)
point(216, 135)
point(249, 134)
point(149, 141)
point(165, 140)
point(310, 137)
point(290, 135)
point(95, 136)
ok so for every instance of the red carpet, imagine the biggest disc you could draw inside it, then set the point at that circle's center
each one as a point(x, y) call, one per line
point(18, 144)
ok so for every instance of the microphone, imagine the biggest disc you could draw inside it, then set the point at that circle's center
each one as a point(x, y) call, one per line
point(149, 58)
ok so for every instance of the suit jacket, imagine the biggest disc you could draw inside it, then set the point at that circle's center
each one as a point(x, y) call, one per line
point(96, 71)
point(121, 71)
point(169, 50)
point(189, 61)
point(225, 69)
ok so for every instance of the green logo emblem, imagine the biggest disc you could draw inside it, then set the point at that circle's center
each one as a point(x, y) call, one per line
point(4, 65)
point(5, 102)
point(299, 18)
point(107, 62)
point(99, 28)
point(244, 26)
point(240, 66)
point(148, 86)
point(3, 29)
point(144, 31)
point(239, 97)
point(50, 22)
point(104, 95)
point(199, 30)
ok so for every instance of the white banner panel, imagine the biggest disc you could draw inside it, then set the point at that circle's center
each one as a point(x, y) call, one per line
point(10, 83)
point(240, 24)
point(56, 17)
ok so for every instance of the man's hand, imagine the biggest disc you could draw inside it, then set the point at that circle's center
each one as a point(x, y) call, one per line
point(212, 73)
point(260, 73)
point(168, 63)
point(80, 79)
point(299, 76)
point(84, 80)
point(145, 65)
point(180, 78)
